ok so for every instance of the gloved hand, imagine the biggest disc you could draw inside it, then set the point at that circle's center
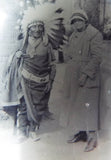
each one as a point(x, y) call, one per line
point(82, 80)
point(48, 87)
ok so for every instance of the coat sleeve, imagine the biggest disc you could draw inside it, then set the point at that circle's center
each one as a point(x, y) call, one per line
point(95, 51)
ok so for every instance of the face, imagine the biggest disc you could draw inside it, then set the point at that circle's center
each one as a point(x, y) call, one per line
point(78, 25)
point(36, 30)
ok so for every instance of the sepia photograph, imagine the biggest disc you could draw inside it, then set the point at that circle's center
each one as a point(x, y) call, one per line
point(55, 84)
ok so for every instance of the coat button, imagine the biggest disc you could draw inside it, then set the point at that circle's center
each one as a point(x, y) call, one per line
point(80, 52)
point(87, 105)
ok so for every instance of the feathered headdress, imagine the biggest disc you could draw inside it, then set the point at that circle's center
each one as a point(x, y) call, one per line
point(52, 18)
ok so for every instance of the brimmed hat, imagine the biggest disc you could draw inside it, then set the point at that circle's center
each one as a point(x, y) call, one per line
point(79, 14)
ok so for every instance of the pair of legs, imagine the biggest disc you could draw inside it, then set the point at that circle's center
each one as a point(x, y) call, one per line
point(25, 126)
point(90, 137)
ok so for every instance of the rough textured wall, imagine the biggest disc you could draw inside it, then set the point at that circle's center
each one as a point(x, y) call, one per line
point(92, 9)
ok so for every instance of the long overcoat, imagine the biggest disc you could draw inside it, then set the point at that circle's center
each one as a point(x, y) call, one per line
point(84, 54)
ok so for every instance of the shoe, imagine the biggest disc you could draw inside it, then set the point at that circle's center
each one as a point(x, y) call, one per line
point(34, 136)
point(48, 113)
point(81, 136)
point(21, 138)
point(91, 143)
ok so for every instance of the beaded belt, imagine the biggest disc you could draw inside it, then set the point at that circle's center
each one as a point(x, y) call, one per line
point(34, 78)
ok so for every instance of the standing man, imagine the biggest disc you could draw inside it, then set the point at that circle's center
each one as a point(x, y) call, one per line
point(82, 79)
point(32, 68)
point(38, 74)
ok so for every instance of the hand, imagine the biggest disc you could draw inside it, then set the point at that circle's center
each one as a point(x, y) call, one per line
point(82, 80)
point(19, 54)
point(48, 87)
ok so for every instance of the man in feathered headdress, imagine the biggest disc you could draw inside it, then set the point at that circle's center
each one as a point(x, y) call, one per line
point(33, 67)
point(38, 71)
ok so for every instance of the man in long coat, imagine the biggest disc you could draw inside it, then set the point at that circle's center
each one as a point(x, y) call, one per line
point(82, 79)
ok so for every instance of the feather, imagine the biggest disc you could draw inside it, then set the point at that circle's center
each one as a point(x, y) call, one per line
point(51, 16)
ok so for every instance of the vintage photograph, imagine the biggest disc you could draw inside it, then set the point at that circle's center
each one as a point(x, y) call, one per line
point(55, 84)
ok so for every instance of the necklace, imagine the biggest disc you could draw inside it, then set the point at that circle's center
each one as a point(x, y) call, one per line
point(32, 45)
